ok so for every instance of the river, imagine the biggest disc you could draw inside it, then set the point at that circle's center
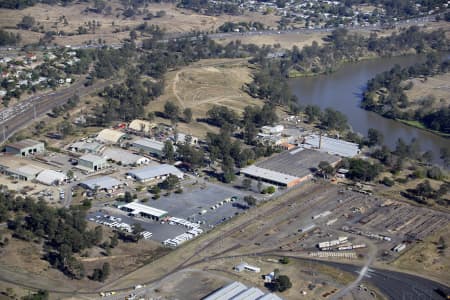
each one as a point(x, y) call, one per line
point(342, 90)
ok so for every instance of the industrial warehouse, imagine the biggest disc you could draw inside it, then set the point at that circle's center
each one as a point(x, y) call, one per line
point(239, 291)
point(289, 168)
point(154, 172)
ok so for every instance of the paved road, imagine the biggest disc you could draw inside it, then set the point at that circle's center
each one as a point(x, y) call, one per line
point(397, 285)
point(362, 273)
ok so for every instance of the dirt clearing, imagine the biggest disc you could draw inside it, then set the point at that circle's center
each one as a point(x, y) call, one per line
point(203, 85)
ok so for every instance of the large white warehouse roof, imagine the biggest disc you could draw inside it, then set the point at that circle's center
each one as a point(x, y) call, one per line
point(101, 183)
point(151, 172)
point(333, 146)
point(227, 292)
point(50, 177)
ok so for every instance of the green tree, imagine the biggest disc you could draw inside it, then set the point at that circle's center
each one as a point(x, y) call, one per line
point(246, 183)
point(284, 260)
point(106, 269)
point(168, 151)
point(374, 137)
point(251, 201)
point(284, 283)
point(187, 113)
point(228, 169)
point(312, 112)
point(27, 22)
point(333, 119)
point(171, 110)
point(170, 182)
point(128, 197)
point(326, 169)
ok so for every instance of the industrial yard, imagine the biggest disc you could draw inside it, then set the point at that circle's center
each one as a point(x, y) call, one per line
point(336, 213)
point(203, 224)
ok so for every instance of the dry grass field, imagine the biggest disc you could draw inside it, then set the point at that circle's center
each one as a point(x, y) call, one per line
point(175, 20)
point(436, 86)
point(285, 40)
point(427, 258)
point(204, 84)
point(22, 261)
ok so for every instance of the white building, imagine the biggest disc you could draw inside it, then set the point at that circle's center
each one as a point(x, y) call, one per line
point(272, 130)
point(50, 177)
point(138, 209)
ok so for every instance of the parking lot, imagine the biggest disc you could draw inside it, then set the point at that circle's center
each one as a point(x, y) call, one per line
point(160, 232)
point(194, 205)
point(195, 199)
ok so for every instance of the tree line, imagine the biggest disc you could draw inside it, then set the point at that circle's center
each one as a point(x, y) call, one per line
point(9, 38)
point(385, 94)
point(63, 232)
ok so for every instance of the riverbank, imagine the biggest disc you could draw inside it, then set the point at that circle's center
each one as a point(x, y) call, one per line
point(342, 90)
point(297, 74)
point(419, 125)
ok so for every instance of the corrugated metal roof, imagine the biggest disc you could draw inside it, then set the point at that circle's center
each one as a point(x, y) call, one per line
point(155, 171)
point(141, 208)
point(104, 182)
point(124, 156)
point(24, 144)
point(227, 292)
point(28, 170)
point(268, 174)
point(249, 294)
point(49, 177)
point(92, 158)
point(333, 146)
point(270, 297)
point(109, 136)
point(152, 144)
